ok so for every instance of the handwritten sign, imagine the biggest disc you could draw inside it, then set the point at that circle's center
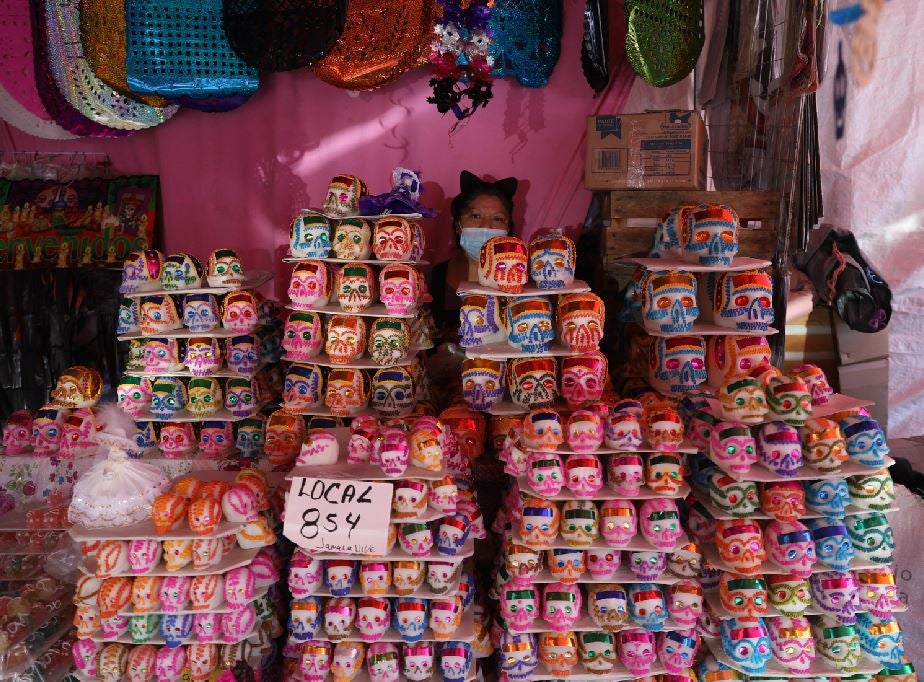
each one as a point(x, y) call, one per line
point(344, 516)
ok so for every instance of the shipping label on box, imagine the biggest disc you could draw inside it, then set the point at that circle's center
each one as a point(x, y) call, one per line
point(655, 150)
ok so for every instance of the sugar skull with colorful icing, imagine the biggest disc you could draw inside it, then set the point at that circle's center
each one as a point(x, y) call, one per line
point(392, 238)
point(743, 597)
point(583, 378)
point(838, 644)
point(558, 652)
point(353, 239)
point(648, 566)
point(305, 618)
point(779, 448)
point(792, 643)
point(709, 234)
point(732, 447)
point(597, 651)
point(399, 287)
point(832, 543)
point(285, 433)
point(608, 606)
point(503, 264)
point(790, 546)
point(128, 316)
point(668, 302)
point(823, 445)
point(874, 492)
point(747, 644)
point(347, 391)
point(561, 605)
point(303, 388)
point(302, 337)
point(734, 357)
point(389, 341)
point(580, 524)
point(309, 236)
point(348, 660)
point(542, 429)
point(789, 400)
point(789, 594)
point(584, 475)
point(416, 539)
point(664, 473)
point(310, 285)
point(585, 432)
point(545, 472)
point(580, 321)
point(483, 382)
point(382, 663)
point(625, 473)
point(814, 377)
point(159, 314)
point(356, 287)
point(603, 563)
point(881, 639)
point(540, 522)
point(677, 364)
point(685, 561)
point(677, 649)
point(742, 301)
point(372, 618)
point(203, 356)
point(738, 498)
point(529, 325)
point(225, 269)
point(452, 534)
point(168, 397)
point(829, 497)
point(239, 312)
point(250, 436)
point(686, 602)
point(660, 522)
point(743, 400)
point(519, 605)
point(783, 500)
point(551, 261)
point(346, 338)
point(878, 594)
point(533, 382)
point(663, 427)
point(837, 595)
point(78, 434)
point(480, 321)
point(637, 650)
point(242, 396)
point(17, 431)
point(647, 606)
point(204, 397)
point(567, 565)
point(242, 354)
point(618, 522)
point(141, 272)
point(518, 656)
point(871, 537)
point(177, 438)
point(866, 441)
point(161, 355)
point(741, 545)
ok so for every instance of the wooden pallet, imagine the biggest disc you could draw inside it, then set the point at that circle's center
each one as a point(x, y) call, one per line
point(634, 215)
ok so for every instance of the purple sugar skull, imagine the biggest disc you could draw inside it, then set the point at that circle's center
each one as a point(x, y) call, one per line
point(779, 448)
point(660, 522)
point(648, 566)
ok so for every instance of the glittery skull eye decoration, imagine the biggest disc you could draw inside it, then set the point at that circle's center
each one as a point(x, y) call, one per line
point(529, 324)
point(393, 392)
point(583, 378)
point(225, 270)
point(242, 396)
point(343, 194)
point(346, 338)
point(743, 301)
point(708, 234)
point(668, 302)
point(664, 473)
point(239, 312)
point(168, 397)
point(735, 357)
point(551, 261)
point(580, 524)
point(789, 594)
point(647, 606)
point(747, 644)
point(829, 497)
point(353, 239)
point(832, 543)
point(838, 644)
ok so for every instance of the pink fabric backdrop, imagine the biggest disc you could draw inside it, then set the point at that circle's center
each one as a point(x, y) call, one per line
point(236, 179)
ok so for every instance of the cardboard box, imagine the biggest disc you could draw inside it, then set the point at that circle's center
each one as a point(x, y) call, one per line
point(854, 346)
point(869, 380)
point(654, 150)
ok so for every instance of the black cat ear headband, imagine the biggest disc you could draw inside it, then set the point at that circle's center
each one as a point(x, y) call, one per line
point(470, 181)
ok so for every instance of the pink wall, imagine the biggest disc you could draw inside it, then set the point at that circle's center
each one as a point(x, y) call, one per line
point(236, 179)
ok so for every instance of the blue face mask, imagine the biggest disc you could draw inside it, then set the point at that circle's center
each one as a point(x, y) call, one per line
point(473, 238)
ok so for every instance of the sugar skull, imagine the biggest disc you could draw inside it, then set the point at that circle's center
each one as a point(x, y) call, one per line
point(175, 629)
point(551, 261)
point(141, 272)
point(660, 522)
point(647, 606)
point(372, 618)
point(177, 438)
point(441, 575)
point(302, 337)
point(305, 617)
point(141, 663)
point(567, 565)
point(558, 652)
point(686, 602)
point(708, 234)
point(113, 660)
point(583, 378)
point(742, 301)
point(347, 391)
point(779, 448)
point(789, 594)
point(181, 271)
point(356, 287)
point(225, 269)
point(874, 492)
point(309, 236)
point(648, 566)
point(399, 287)
point(561, 605)
point(482, 382)
point(285, 433)
point(242, 354)
point(239, 312)
point(162, 355)
point(519, 605)
point(518, 656)
point(838, 644)
point(747, 644)
point(677, 649)
point(242, 396)
point(783, 500)
point(837, 595)
point(743, 597)
point(792, 643)
point(738, 498)
point(392, 392)
point(828, 497)
point(204, 397)
point(823, 445)
point(584, 433)
point(382, 663)
point(203, 356)
point(503, 264)
point(677, 364)
point(664, 473)
point(741, 545)
point(866, 441)
point(732, 447)
point(878, 594)
point(314, 663)
point(445, 617)
point(392, 451)
point(177, 554)
point(743, 400)
point(159, 314)
point(346, 338)
point(522, 562)
point(203, 658)
point(168, 397)
point(85, 654)
point(882, 640)
point(319, 448)
point(250, 436)
point(832, 543)
point(480, 321)
point(170, 663)
point(580, 524)
point(389, 341)
point(452, 534)
point(128, 317)
point(207, 626)
point(871, 537)
point(584, 475)
point(529, 325)
point(310, 285)
point(17, 431)
point(618, 522)
point(540, 522)
point(663, 427)
point(790, 546)
point(625, 473)
point(580, 321)
point(533, 382)
point(417, 661)
point(685, 561)
point(392, 238)
point(216, 438)
point(814, 377)
point(668, 302)
point(353, 239)
point(637, 650)
point(78, 434)
point(542, 430)
point(789, 400)
point(603, 563)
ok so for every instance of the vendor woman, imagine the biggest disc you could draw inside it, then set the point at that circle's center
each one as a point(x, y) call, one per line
point(482, 210)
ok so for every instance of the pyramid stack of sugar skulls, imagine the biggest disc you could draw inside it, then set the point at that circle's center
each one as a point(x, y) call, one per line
point(356, 406)
point(790, 484)
point(203, 344)
point(590, 521)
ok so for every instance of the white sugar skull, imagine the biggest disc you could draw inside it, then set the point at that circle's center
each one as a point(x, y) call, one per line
point(503, 264)
point(225, 269)
point(416, 538)
point(618, 522)
point(304, 575)
point(356, 287)
point(597, 651)
point(583, 378)
point(551, 261)
point(346, 338)
point(141, 272)
point(200, 312)
point(648, 566)
point(561, 605)
point(603, 563)
point(302, 336)
point(239, 312)
point(310, 285)
point(743, 400)
point(677, 364)
point(399, 287)
point(732, 447)
point(161, 355)
point(159, 314)
point(408, 576)
point(389, 341)
point(128, 316)
point(580, 524)
point(677, 649)
point(393, 392)
point(339, 617)
point(242, 396)
point(393, 238)
point(584, 475)
point(444, 618)
point(382, 663)
point(343, 194)
point(203, 356)
point(309, 236)
point(625, 473)
point(686, 602)
point(480, 321)
point(709, 234)
point(668, 302)
point(181, 271)
point(348, 660)
point(242, 354)
point(742, 301)
point(417, 661)
point(353, 239)
point(545, 472)
point(177, 438)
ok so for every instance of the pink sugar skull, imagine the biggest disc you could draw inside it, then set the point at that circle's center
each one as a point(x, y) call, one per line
point(444, 618)
point(399, 288)
point(415, 538)
point(216, 438)
point(561, 605)
point(393, 238)
point(239, 504)
point(618, 522)
point(584, 475)
point(637, 650)
point(305, 575)
point(143, 555)
point(878, 594)
point(207, 552)
point(790, 546)
point(319, 448)
point(161, 355)
point(584, 432)
point(239, 312)
point(372, 618)
point(314, 663)
point(792, 643)
point(17, 433)
point(238, 624)
point(603, 563)
point(625, 473)
point(686, 602)
point(677, 649)
point(660, 521)
point(545, 472)
point(583, 378)
point(392, 449)
point(177, 439)
point(519, 605)
point(239, 586)
point(310, 285)
point(85, 653)
point(174, 593)
point(141, 663)
point(580, 321)
point(355, 286)
point(207, 626)
point(382, 663)
point(444, 495)
point(203, 356)
point(170, 664)
point(302, 337)
point(648, 566)
point(732, 447)
point(48, 431)
point(79, 434)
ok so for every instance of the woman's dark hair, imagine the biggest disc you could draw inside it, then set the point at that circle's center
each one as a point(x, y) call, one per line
point(472, 186)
